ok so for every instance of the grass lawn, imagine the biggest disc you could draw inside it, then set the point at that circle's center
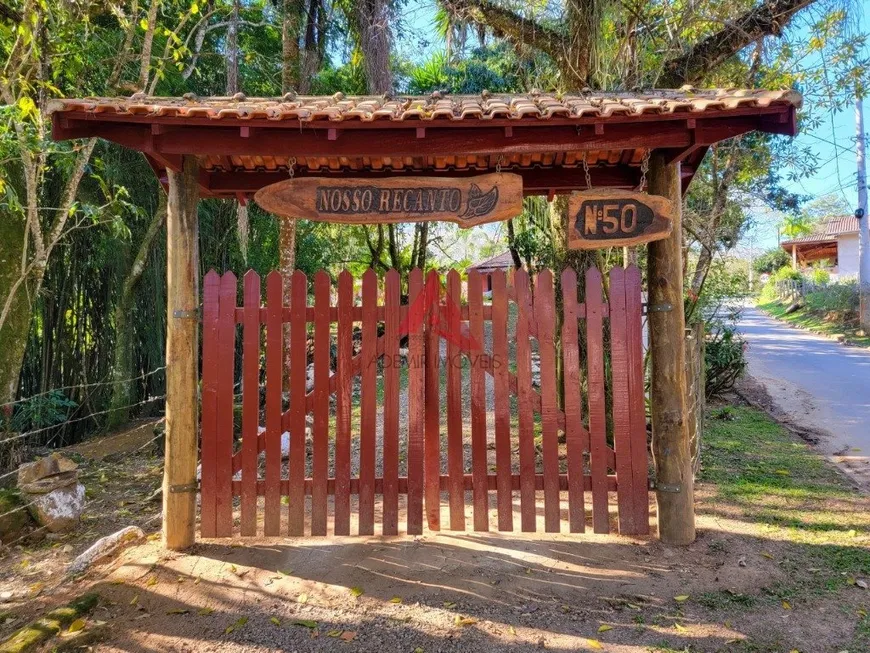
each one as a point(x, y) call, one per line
point(818, 526)
point(815, 321)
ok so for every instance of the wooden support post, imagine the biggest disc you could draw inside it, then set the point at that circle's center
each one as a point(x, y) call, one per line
point(794, 262)
point(671, 448)
point(182, 343)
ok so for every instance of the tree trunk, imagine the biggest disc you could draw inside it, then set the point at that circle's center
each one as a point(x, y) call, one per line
point(286, 266)
point(147, 43)
point(15, 328)
point(290, 46)
point(373, 19)
point(512, 238)
point(395, 261)
point(122, 368)
point(670, 445)
point(312, 51)
point(577, 61)
point(182, 350)
point(233, 50)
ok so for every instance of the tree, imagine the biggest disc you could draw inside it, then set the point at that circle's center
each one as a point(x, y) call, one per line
point(771, 261)
point(572, 39)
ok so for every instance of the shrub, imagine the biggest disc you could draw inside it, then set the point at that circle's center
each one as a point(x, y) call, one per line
point(841, 297)
point(41, 411)
point(771, 260)
point(820, 277)
point(724, 359)
point(786, 273)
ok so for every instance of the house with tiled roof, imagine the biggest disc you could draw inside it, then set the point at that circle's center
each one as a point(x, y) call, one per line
point(503, 262)
point(833, 242)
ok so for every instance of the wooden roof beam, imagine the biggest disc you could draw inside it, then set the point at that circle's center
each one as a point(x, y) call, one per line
point(217, 139)
point(536, 181)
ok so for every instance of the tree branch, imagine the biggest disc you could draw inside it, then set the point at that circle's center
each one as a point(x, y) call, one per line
point(766, 19)
point(510, 25)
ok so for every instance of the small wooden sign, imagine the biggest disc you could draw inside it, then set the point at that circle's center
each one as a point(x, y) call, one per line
point(467, 201)
point(615, 218)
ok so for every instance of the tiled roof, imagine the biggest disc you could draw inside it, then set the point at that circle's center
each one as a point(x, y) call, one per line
point(435, 107)
point(827, 230)
point(501, 262)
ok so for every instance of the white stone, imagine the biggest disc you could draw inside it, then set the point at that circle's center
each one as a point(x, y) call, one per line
point(60, 509)
point(105, 547)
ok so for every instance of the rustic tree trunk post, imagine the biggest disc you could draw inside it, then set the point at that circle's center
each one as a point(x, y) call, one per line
point(671, 448)
point(182, 340)
point(794, 264)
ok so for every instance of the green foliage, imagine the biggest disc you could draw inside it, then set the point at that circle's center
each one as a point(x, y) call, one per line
point(496, 68)
point(42, 411)
point(724, 359)
point(786, 273)
point(533, 234)
point(772, 260)
point(794, 226)
point(840, 297)
point(820, 276)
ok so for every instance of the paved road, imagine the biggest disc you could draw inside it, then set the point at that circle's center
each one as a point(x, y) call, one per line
point(819, 382)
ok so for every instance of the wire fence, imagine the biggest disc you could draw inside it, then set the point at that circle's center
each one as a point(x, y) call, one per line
point(82, 386)
point(36, 500)
point(33, 432)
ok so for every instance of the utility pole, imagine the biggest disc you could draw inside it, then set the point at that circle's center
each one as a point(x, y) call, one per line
point(863, 219)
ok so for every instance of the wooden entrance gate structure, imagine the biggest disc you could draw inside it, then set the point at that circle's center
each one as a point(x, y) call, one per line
point(237, 147)
point(441, 336)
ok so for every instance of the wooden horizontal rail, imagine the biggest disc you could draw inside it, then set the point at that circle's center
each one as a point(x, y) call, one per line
point(287, 313)
point(491, 479)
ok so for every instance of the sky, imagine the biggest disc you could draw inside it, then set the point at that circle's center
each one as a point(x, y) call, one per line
point(833, 142)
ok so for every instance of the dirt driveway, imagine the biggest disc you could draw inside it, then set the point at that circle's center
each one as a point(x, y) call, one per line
point(781, 564)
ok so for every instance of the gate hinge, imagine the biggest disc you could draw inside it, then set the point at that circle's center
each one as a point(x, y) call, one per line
point(189, 487)
point(657, 308)
point(192, 314)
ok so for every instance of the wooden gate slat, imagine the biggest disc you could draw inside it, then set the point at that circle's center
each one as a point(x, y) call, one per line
point(545, 308)
point(392, 301)
point(639, 458)
point(416, 403)
point(455, 454)
point(224, 440)
point(620, 397)
point(574, 440)
point(250, 403)
point(298, 363)
point(479, 491)
point(320, 434)
point(274, 388)
point(368, 403)
point(524, 406)
point(501, 386)
point(344, 354)
point(597, 416)
point(432, 417)
point(210, 354)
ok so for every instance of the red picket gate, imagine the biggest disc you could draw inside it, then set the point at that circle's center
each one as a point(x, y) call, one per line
point(339, 438)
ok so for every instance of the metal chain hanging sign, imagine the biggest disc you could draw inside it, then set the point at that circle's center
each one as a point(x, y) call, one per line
point(467, 201)
point(617, 218)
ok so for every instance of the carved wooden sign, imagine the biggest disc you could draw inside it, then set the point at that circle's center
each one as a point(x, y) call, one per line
point(615, 218)
point(466, 201)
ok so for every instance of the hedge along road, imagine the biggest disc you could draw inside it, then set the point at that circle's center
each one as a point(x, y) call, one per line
point(815, 383)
